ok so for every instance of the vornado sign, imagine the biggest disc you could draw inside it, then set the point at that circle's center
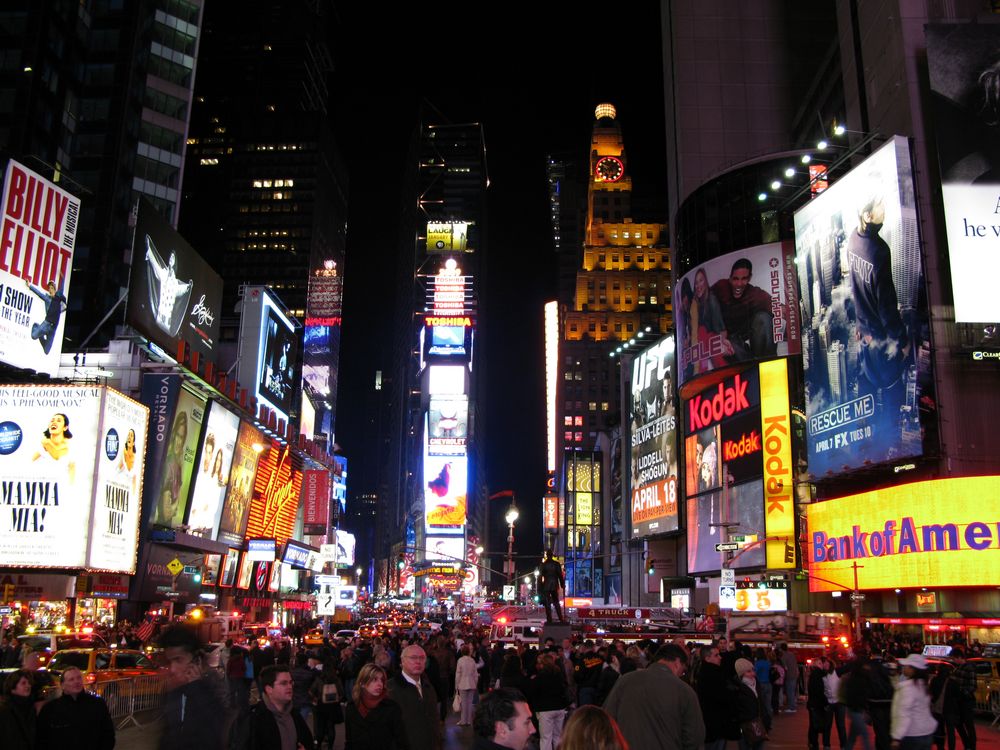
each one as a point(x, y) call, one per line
point(779, 508)
point(943, 532)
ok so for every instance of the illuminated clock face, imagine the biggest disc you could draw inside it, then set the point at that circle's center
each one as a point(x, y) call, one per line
point(609, 169)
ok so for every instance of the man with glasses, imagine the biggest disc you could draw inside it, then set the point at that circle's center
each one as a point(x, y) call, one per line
point(655, 708)
point(416, 696)
point(274, 723)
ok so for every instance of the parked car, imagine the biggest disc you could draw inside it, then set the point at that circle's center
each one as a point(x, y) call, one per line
point(100, 665)
point(47, 643)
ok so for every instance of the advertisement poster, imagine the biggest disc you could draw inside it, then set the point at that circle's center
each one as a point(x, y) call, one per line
point(173, 294)
point(931, 534)
point(447, 425)
point(170, 499)
point(210, 570)
point(37, 237)
point(276, 493)
point(864, 316)
point(121, 458)
point(276, 373)
point(249, 445)
point(739, 307)
point(229, 567)
point(962, 65)
point(316, 501)
point(448, 236)
point(345, 549)
point(48, 446)
point(445, 482)
point(445, 548)
point(211, 478)
point(743, 507)
point(246, 572)
point(653, 434)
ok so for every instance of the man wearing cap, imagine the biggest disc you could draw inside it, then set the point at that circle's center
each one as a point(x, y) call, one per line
point(654, 708)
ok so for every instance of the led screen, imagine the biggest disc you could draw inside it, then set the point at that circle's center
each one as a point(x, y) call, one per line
point(276, 494)
point(211, 478)
point(961, 62)
point(445, 486)
point(739, 307)
point(447, 340)
point(926, 534)
point(345, 549)
point(277, 362)
point(653, 431)
point(446, 380)
point(448, 236)
point(864, 316)
point(37, 238)
point(173, 294)
point(743, 507)
point(447, 425)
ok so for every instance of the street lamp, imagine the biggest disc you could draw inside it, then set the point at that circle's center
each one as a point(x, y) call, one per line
point(510, 517)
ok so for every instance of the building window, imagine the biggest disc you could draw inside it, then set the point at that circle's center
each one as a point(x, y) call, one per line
point(604, 406)
point(568, 375)
point(578, 375)
point(578, 437)
point(568, 437)
point(568, 421)
point(592, 406)
point(578, 421)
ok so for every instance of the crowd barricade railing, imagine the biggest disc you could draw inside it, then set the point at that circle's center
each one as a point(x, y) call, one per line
point(128, 696)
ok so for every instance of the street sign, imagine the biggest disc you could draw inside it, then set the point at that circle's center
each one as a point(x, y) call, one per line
point(508, 593)
point(727, 546)
point(326, 603)
point(175, 566)
point(727, 597)
point(192, 569)
point(728, 577)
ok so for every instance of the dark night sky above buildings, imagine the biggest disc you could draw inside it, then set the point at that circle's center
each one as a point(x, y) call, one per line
point(533, 83)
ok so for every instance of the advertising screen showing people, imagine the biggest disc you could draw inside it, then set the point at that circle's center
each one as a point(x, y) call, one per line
point(170, 500)
point(174, 295)
point(211, 478)
point(864, 316)
point(739, 307)
point(37, 237)
point(740, 509)
point(653, 441)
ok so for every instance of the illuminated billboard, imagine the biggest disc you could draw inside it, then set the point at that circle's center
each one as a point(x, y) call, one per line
point(315, 501)
point(776, 438)
point(864, 316)
point(345, 549)
point(211, 478)
point(249, 445)
point(275, 494)
point(340, 483)
point(268, 351)
point(448, 340)
point(321, 347)
point(170, 498)
point(447, 425)
point(739, 307)
point(448, 236)
point(445, 487)
point(446, 380)
point(755, 596)
point(961, 63)
point(653, 433)
point(449, 292)
point(37, 237)
point(173, 294)
point(943, 532)
point(71, 463)
point(742, 507)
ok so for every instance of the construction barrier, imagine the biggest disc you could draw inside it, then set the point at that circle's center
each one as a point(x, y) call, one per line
point(130, 696)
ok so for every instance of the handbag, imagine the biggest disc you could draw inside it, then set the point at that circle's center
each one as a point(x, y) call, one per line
point(456, 704)
point(330, 693)
point(753, 731)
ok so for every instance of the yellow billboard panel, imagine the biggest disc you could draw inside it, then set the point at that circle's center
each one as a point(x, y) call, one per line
point(779, 504)
point(943, 532)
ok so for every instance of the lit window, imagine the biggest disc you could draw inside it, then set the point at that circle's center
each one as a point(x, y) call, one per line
point(568, 421)
point(652, 299)
point(578, 421)
point(579, 375)
point(604, 406)
point(568, 437)
point(568, 375)
point(578, 437)
point(592, 406)
point(258, 183)
point(209, 162)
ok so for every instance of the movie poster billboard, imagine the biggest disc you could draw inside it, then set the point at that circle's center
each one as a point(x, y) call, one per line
point(962, 66)
point(211, 478)
point(48, 444)
point(173, 294)
point(249, 445)
point(448, 236)
point(37, 238)
point(171, 496)
point(230, 565)
point(739, 307)
point(445, 487)
point(653, 434)
point(864, 316)
point(121, 454)
point(742, 506)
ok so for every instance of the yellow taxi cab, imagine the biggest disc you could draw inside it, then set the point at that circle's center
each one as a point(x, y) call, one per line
point(367, 631)
point(987, 683)
point(314, 637)
point(100, 665)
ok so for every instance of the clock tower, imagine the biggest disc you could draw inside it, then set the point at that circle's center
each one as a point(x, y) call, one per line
point(609, 194)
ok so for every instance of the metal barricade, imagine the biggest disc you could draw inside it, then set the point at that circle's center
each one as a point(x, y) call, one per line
point(129, 696)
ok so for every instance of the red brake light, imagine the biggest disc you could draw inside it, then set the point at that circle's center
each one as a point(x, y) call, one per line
point(826, 639)
point(88, 629)
point(502, 620)
point(90, 677)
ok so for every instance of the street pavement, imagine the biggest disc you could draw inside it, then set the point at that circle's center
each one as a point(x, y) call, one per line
point(788, 731)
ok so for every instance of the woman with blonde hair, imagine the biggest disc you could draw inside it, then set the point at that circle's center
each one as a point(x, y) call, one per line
point(592, 728)
point(373, 721)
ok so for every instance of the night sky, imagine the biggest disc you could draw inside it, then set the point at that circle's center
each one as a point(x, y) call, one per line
point(533, 83)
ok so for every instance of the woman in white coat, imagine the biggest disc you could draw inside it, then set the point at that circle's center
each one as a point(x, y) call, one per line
point(912, 723)
point(466, 680)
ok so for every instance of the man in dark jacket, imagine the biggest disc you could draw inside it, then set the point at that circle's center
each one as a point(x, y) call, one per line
point(194, 710)
point(418, 700)
point(717, 700)
point(274, 723)
point(76, 719)
point(503, 720)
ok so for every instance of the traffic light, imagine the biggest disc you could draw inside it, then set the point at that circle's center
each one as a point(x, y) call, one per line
point(650, 567)
point(197, 577)
point(401, 563)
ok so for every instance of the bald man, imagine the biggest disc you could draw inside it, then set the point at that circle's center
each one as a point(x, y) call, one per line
point(76, 719)
point(416, 696)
